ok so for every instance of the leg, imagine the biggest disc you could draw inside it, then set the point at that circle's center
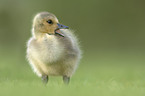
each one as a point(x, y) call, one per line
point(45, 79)
point(66, 79)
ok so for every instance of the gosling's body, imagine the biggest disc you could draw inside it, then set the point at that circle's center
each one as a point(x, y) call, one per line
point(53, 55)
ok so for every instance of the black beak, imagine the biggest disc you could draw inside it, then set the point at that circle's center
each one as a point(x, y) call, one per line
point(60, 26)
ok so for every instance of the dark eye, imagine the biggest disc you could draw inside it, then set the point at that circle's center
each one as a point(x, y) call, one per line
point(50, 21)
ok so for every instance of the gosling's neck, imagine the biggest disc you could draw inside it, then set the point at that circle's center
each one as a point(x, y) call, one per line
point(38, 35)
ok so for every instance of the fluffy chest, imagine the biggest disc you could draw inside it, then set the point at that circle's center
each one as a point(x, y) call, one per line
point(48, 50)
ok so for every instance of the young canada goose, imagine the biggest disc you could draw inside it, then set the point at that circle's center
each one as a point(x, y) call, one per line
point(52, 50)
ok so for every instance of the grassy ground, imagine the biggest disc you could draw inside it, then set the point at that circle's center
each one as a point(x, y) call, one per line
point(106, 74)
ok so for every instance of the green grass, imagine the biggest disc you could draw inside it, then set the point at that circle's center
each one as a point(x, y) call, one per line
point(115, 74)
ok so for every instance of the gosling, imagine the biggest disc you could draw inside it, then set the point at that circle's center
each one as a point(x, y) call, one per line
point(53, 49)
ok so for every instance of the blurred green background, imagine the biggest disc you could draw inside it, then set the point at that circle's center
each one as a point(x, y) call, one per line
point(111, 34)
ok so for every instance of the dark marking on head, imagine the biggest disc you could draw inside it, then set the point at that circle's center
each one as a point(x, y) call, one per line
point(41, 24)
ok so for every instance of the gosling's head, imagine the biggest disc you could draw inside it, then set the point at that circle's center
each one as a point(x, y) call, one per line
point(46, 22)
